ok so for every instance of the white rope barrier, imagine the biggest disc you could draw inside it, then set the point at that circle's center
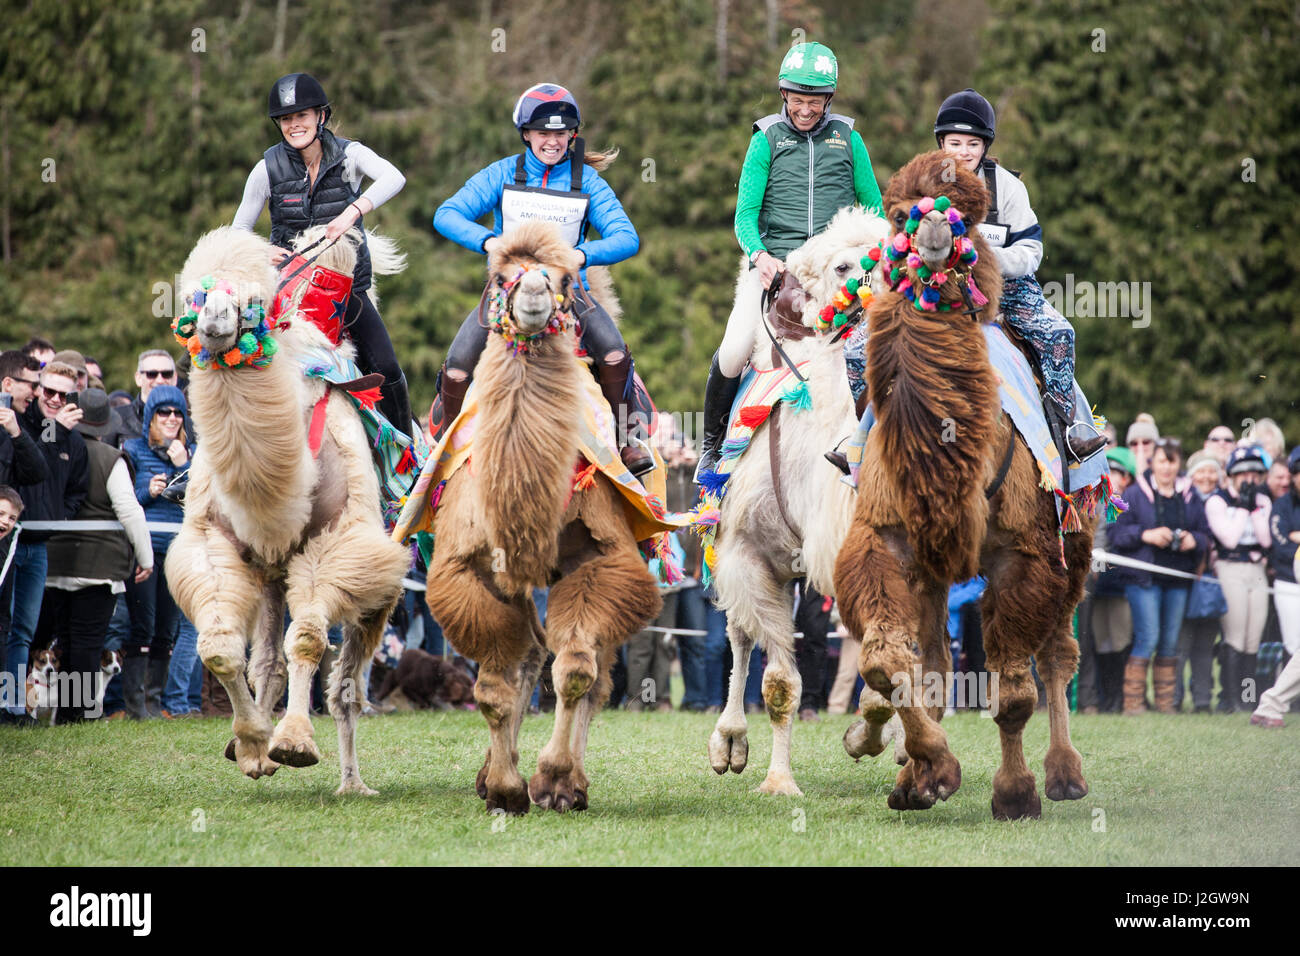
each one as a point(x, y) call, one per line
point(1119, 560)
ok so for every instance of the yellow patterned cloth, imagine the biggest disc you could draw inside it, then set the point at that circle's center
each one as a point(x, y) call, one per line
point(643, 500)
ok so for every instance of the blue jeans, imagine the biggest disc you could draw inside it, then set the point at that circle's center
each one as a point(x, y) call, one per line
point(754, 680)
point(1157, 618)
point(28, 572)
point(715, 655)
point(180, 674)
point(693, 649)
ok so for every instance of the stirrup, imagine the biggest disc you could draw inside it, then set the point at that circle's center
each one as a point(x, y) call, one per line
point(643, 461)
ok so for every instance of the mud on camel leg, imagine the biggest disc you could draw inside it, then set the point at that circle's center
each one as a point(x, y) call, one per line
point(484, 626)
point(782, 689)
point(344, 695)
point(593, 608)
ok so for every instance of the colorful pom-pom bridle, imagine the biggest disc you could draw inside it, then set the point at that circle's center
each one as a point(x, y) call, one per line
point(852, 295)
point(902, 255)
point(255, 347)
point(499, 314)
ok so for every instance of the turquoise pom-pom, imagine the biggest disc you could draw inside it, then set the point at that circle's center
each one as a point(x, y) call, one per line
point(269, 347)
point(942, 203)
point(911, 226)
point(852, 286)
point(207, 282)
point(248, 343)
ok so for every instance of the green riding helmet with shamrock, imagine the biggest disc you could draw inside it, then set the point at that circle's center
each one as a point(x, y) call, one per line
point(803, 164)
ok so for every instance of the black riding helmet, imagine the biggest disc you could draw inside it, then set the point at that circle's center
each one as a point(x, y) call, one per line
point(966, 112)
point(295, 92)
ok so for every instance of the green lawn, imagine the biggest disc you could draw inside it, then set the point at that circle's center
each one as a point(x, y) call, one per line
point(1171, 790)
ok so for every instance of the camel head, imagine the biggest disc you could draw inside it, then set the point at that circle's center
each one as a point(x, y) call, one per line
point(532, 277)
point(839, 253)
point(228, 283)
point(935, 256)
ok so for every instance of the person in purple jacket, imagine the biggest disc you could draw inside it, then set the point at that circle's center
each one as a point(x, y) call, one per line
point(557, 179)
point(1165, 527)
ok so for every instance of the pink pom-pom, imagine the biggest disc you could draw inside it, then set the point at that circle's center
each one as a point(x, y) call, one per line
point(914, 261)
point(925, 205)
point(939, 279)
point(901, 242)
point(976, 296)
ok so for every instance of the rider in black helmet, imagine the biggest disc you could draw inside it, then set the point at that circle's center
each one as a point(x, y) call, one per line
point(965, 127)
point(312, 177)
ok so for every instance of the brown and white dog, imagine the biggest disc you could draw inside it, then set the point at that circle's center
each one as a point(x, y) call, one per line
point(41, 688)
point(110, 665)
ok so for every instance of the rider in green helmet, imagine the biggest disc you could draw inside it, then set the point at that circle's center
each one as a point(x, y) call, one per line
point(803, 164)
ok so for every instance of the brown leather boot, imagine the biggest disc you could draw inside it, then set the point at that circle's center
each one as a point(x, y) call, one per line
point(614, 385)
point(451, 396)
point(1135, 685)
point(1164, 677)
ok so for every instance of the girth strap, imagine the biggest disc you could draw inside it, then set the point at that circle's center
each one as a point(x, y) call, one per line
point(993, 487)
point(774, 459)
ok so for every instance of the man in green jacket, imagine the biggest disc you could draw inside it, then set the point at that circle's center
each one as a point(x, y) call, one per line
point(803, 165)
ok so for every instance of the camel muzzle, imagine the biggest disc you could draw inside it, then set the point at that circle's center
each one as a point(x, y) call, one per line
point(533, 303)
point(934, 239)
point(218, 325)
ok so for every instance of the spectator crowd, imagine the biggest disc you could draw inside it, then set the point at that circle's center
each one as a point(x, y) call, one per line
point(1196, 577)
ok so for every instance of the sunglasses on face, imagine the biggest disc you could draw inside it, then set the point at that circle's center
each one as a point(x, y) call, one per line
point(31, 382)
point(152, 373)
point(169, 413)
point(53, 393)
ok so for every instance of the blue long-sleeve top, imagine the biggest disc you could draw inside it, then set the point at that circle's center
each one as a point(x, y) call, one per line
point(149, 462)
point(457, 218)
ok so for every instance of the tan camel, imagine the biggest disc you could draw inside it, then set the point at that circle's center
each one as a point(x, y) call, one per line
point(923, 520)
point(514, 520)
point(267, 523)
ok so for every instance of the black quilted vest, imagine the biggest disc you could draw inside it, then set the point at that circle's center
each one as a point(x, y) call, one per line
point(295, 205)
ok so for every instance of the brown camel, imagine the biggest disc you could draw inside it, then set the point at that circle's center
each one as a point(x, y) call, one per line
point(923, 519)
point(515, 519)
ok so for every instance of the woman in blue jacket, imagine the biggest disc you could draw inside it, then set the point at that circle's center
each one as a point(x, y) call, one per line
point(1163, 526)
point(158, 455)
point(554, 178)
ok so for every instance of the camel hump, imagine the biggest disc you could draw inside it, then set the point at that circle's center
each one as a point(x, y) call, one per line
point(601, 284)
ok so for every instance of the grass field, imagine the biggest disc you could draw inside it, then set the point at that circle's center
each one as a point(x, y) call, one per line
point(1192, 790)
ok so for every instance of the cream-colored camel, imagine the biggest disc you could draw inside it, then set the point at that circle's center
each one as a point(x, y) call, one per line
point(515, 520)
point(759, 552)
point(267, 523)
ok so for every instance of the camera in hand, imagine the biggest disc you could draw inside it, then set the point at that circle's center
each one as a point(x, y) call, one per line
point(6, 400)
point(1246, 496)
point(1176, 540)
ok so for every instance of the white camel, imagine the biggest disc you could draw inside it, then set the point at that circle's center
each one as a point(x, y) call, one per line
point(270, 522)
point(772, 532)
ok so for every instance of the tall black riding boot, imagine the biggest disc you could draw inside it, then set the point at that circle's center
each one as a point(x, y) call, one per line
point(1229, 679)
point(451, 396)
point(395, 403)
point(155, 684)
point(615, 382)
point(134, 672)
point(1066, 431)
point(1247, 664)
point(719, 394)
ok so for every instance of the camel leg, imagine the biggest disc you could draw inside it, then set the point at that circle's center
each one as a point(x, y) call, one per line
point(268, 673)
point(498, 633)
point(589, 611)
point(1022, 604)
point(782, 687)
point(222, 596)
point(344, 696)
point(877, 602)
point(729, 743)
point(529, 670)
point(292, 743)
point(1058, 660)
point(878, 726)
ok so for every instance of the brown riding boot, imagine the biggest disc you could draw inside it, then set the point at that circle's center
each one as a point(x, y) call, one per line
point(1135, 685)
point(1163, 669)
point(615, 385)
point(451, 396)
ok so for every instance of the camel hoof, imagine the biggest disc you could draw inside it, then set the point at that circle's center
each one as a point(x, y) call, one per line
point(860, 742)
point(558, 792)
point(302, 754)
point(1066, 789)
point(512, 800)
point(355, 787)
point(901, 798)
point(938, 778)
point(1017, 800)
point(257, 765)
point(780, 784)
point(728, 750)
